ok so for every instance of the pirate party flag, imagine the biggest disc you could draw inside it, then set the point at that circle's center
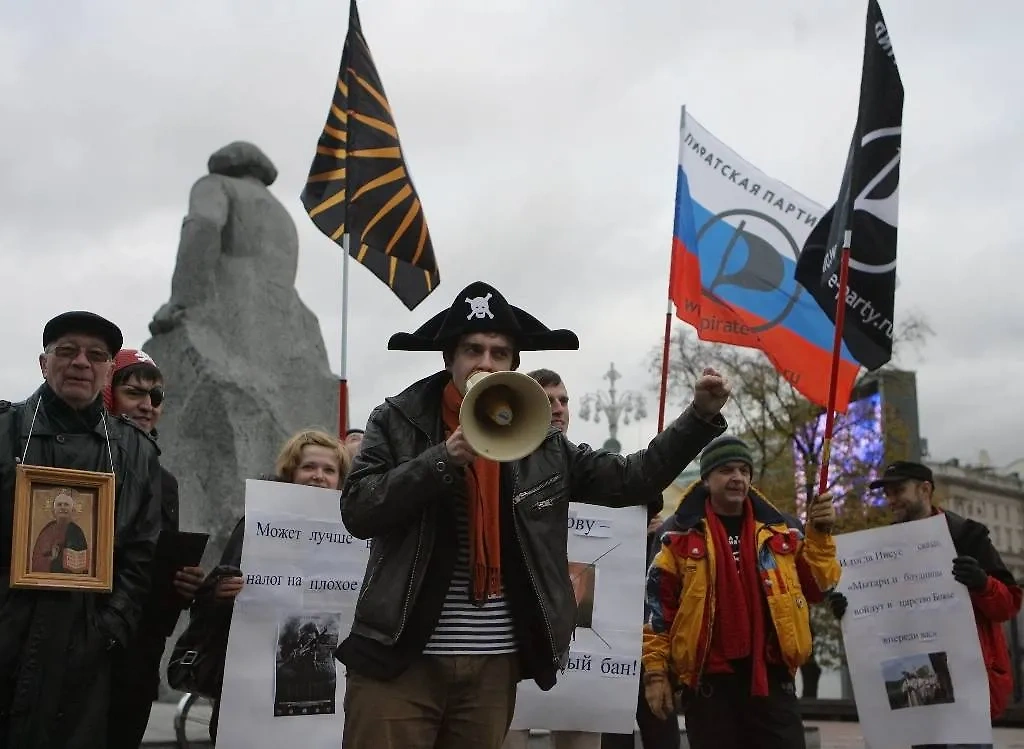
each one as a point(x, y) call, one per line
point(359, 184)
point(867, 206)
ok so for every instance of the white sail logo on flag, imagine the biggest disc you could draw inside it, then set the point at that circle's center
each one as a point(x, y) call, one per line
point(885, 208)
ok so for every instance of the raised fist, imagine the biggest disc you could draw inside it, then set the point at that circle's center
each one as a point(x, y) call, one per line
point(710, 394)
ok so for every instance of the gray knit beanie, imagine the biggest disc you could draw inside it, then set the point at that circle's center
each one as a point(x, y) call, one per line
point(724, 449)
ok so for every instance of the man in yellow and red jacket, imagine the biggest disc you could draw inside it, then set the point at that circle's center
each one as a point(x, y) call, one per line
point(728, 596)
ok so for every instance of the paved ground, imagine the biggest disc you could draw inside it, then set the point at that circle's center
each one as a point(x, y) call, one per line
point(160, 734)
point(847, 736)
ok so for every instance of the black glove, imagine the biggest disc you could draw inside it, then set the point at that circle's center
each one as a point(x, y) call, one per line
point(838, 603)
point(969, 573)
point(112, 627)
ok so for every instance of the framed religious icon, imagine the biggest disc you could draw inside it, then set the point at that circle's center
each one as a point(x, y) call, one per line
point(63, 529)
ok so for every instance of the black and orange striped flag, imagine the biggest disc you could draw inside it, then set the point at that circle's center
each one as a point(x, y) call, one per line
point(359, 185)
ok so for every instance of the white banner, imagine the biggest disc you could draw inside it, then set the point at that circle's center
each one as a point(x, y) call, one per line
point(607, 565)
point(911, 641)
point(302, 576)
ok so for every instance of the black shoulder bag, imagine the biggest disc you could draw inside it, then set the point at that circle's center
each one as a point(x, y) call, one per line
point(197, 662)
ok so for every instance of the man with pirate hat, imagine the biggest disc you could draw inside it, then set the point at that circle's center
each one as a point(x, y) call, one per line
point(467, 591)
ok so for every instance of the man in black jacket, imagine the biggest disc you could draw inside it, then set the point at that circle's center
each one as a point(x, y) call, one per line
point(137, 392)
point(56, 645)
point(467, 590)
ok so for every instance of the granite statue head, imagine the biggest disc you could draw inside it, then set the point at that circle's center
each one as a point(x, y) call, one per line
point(242, 159)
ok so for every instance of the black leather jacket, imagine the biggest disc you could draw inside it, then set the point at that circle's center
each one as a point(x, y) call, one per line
point(401, 493)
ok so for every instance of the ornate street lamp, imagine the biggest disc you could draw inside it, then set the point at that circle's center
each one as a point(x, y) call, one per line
point(615, 406)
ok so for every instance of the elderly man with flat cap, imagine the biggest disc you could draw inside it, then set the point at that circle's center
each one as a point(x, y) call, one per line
point(56, 645)
point(467, 590)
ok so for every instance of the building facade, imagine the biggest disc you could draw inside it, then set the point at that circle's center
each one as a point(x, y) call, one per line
point(990, 497)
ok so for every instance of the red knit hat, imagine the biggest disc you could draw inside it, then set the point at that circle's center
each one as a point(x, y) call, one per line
point(126, 357)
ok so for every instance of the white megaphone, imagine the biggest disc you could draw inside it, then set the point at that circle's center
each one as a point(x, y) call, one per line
point(504, 415)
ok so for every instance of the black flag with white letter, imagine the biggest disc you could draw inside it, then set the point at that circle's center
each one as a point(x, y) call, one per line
point(867, 206)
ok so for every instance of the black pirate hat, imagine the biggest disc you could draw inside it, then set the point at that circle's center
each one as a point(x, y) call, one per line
point(480, 308)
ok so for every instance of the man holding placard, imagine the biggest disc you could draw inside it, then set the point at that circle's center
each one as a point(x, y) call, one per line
point(558, 399)
point(466, 591)
point(995, 595)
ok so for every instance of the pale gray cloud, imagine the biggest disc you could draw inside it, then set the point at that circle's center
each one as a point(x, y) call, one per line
point(542, 138)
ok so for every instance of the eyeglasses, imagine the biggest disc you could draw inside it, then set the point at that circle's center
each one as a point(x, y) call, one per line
point(156, 394)
point(69, 352)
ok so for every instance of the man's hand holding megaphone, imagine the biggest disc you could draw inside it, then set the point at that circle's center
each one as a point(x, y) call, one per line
point(710, 394)
point(459, 451)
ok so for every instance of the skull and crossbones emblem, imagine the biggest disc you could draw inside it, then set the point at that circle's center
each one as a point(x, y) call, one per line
point(479, 307)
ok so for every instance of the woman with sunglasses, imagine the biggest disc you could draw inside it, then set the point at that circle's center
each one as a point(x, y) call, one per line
point(136, 392)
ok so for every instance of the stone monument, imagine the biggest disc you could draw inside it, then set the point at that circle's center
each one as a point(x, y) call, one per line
point(242, 356)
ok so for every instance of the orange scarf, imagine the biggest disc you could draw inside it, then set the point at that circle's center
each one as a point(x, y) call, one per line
point(483, 486)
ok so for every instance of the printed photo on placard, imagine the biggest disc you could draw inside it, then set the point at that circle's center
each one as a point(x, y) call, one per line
point(305, 676)
point(918, 680)
point(584, 582)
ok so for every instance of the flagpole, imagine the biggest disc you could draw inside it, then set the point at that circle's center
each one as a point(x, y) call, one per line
point(664, 368)
point(837, 346)
point(343, 376)
point(669, 308)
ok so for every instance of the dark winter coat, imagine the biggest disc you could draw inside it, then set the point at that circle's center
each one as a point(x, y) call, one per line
point(401, 493)
point(55, 646)
point(137, 667)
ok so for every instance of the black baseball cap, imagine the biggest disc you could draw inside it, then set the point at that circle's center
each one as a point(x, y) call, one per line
point(903, 470)
point(87, 323)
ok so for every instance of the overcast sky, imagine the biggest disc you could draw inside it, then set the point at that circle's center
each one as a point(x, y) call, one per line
point(542, 138)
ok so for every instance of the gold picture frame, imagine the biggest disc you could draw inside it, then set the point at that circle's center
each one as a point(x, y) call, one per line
point(63, 529)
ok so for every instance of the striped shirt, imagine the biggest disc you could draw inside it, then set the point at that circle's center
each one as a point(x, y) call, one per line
point(463, 628)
